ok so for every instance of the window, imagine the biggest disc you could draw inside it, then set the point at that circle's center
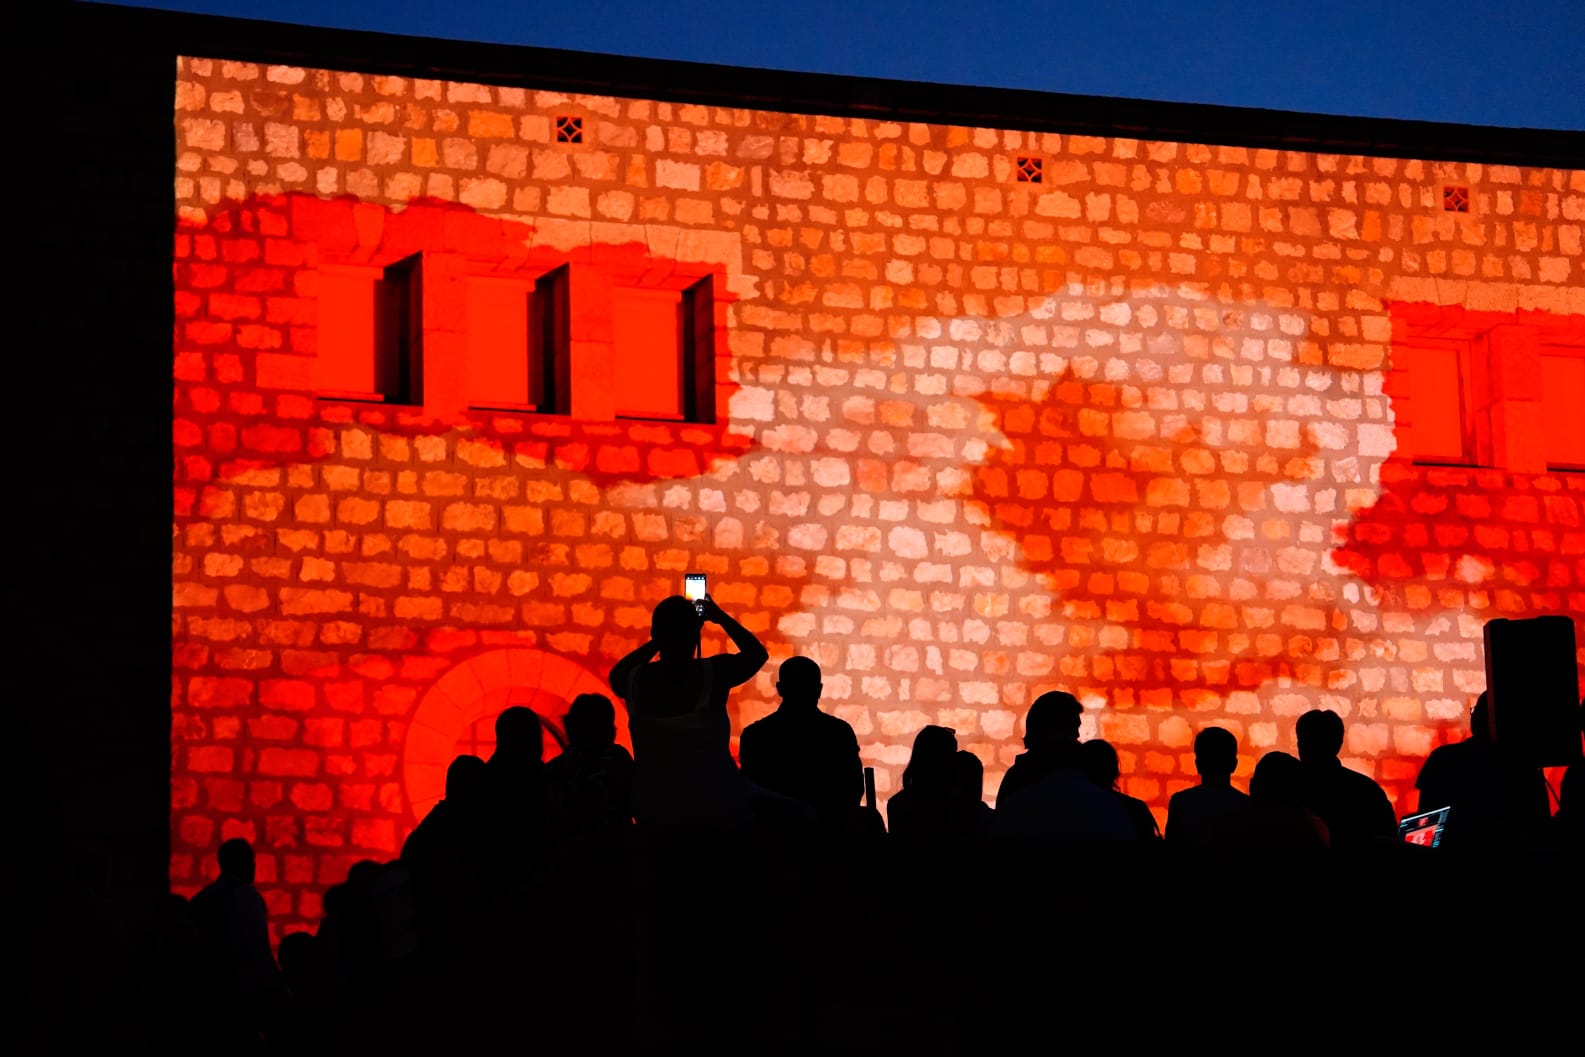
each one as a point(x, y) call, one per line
point(517, 342)
point(1499, 389)
point(1562, 403)
point(370, 332)
point(664, 342)
point(502, 329)
point(569, 128)
point(1433, 417)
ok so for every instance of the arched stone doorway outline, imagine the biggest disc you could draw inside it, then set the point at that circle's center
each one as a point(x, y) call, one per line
point(484, 685)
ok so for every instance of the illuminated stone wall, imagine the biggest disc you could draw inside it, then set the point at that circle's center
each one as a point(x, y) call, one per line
point(1129, 430)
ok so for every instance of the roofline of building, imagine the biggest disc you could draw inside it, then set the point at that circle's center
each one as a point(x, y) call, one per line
point(548, 69)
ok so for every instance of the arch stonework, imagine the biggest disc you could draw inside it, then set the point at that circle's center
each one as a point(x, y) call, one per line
point(484, 685)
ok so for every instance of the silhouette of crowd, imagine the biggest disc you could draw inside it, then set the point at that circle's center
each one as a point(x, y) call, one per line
point(601, 889)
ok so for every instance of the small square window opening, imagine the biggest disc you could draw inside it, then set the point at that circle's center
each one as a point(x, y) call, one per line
point(1455, 198)
point(569, 128)
point(1031, 170)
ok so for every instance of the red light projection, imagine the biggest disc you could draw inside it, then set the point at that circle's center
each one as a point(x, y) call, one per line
point(1157, 429)
point(1467, 518)
point(1136, 521)
point(472, 694)
point(326, 501)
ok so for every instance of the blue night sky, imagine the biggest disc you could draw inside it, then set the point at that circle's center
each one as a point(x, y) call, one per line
point(1483, 62)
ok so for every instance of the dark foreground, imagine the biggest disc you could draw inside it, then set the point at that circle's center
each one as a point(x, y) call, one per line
point(883, 948)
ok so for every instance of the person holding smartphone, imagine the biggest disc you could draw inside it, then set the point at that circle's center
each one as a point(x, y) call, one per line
point(684, 775)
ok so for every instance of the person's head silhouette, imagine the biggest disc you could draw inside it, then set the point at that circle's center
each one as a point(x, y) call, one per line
point(1052, 721)
point(675, 627)
point(1215, 755)
point(465, 780)
point(1319, 734)
point(591, 723)
point(236, 860)
point(930, 763)
point(1100, 764)
point(1278, 781)
point(519, 735)
point(798, 682)
point(970, 774)
point(297, 956)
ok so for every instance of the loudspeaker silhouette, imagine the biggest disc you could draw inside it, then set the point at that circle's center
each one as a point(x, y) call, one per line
point(1532, 674)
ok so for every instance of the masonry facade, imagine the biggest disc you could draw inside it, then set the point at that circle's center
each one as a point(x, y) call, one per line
point(1139, 428)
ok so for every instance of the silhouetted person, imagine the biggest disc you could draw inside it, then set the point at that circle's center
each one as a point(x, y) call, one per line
point(590, 786)
point(802, 752)
point(359, 918)
point(244, 984)
point(1494, 800)
point(1101, 767)
point(305, 1020)
point(684, 774)
point(1194, 815)
point(449, 835)
point(1063, 805)
point(1051, 742)
point(1277, 816)
point(931, 782)
point(977, 818)
point(1355, 809)
point(447, 856)
point(517, 791)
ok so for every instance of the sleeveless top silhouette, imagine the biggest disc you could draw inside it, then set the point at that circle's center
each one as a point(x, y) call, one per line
point(683, 771)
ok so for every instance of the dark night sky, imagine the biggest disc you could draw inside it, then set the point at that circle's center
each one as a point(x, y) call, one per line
point(1485, 62)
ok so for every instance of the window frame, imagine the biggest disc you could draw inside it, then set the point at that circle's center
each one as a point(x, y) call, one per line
point(1552, 349)
point(402, 360)
point(548, 305)
point(696, 300)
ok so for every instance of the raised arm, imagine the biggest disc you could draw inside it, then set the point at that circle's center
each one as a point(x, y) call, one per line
point(622, 674)
point(751, 654)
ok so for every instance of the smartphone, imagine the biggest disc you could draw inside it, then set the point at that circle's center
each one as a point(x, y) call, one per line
point(693, 591)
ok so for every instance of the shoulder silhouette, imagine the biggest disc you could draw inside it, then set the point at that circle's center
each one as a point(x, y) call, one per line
point(1101, 767)
point(1355, 809)
point(684, 775)
point(243, 982)
point(1195, 815)
point(1051, 742)
point(1493, 800)
point(1278, 818)
point(589, 787)
point(802, 752)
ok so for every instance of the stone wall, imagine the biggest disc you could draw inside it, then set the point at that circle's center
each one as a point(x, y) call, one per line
point(1128, 431)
